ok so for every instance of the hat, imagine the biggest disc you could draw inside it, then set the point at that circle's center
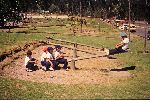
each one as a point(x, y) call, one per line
point(58, 46)
point(49, 48)
point(45, 49)
point(123, 34)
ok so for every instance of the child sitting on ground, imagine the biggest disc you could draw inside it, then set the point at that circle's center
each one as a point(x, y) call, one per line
point(30, 62)
point(45, 60)
point(120, 47)
point(59, 57)
point(51, 55)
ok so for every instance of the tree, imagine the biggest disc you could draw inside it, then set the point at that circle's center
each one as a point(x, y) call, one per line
point(54, 8)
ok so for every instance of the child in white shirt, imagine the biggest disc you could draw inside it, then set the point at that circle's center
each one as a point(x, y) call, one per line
point(59, 57)
point(120, 47)
point(30, 61)
point(45, 60)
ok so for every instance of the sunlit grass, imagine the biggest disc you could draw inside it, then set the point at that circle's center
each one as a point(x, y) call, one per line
point(136, 87)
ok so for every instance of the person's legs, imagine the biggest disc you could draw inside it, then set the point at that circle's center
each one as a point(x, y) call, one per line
point(113, 51)
point(120, 50)
point(43, 63)
point(63, 61)
point(54, 64)
point(46, 64)
point(30, 65)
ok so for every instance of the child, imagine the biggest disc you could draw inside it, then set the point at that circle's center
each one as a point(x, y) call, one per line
point(52, 59)
point(120, 47)
point(30, 61)
point(45, 60)
point(59, 57)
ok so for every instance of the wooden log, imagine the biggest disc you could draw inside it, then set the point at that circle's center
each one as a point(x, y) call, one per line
point(83, 58)
point(81, 50)
point(75, 50)
point(69, 42)
point(72, 64)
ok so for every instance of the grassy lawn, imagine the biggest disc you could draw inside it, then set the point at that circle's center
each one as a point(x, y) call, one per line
point(133, 88)
point(9, 40)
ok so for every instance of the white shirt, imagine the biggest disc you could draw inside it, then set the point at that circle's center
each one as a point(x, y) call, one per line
point(49, 55)
point(46, 55)
point(126, 42)
point(57, 54)
point(27, 59)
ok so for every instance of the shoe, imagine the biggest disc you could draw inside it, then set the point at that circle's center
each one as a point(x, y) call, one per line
point(43, 68)
point(29, 70)
point(51, 69)
point(67, 69)
point(106, 51)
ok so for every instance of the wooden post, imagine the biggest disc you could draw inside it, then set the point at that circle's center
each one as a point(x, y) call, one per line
point(74, 56)
point(72, 64)
point(75, 50)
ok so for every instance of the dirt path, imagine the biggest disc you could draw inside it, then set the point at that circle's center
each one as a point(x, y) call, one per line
point(91, 71)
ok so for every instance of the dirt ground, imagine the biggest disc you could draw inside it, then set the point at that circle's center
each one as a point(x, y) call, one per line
point(90, 71)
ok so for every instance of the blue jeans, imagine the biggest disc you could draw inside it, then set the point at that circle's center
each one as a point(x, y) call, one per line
point(30, 65)
point(46, 64)
point(55, 64)
point(116, 51)
point(62, 61)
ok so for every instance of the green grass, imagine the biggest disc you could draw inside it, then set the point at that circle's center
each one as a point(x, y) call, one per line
point(9, 40)
point(94, 41)
point(136, 87)
point(16, 89)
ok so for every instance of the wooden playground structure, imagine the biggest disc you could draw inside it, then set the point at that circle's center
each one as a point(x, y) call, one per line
point(94, 52)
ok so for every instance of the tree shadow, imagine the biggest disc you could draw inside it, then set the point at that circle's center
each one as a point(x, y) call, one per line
point(10, 27)
point(124, 69)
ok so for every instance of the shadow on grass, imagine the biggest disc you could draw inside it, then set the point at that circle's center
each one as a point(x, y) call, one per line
point(10, 27)
point(124, 69)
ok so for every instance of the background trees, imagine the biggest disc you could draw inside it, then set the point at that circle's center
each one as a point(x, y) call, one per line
point(96, 8)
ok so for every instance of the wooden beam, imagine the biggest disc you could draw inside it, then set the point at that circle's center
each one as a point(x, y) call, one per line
point(69, 42)
point(75, 51)
point(83, 58)
point(72, 64)
point(81, 50)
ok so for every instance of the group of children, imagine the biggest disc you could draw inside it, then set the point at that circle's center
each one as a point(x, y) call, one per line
point(49, 59)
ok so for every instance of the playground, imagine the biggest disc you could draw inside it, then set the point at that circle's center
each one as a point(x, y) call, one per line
point(89, 67)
